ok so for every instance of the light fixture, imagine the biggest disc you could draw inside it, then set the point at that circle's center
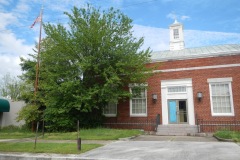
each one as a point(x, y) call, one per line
point(199, 96)
point(154, 97)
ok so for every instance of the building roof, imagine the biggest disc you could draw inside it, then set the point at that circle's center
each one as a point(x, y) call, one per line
point(193, 53)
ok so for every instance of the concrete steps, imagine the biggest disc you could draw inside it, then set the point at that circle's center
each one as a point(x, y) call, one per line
point(177, 130)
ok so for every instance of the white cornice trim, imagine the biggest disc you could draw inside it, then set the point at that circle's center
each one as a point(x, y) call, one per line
point(197, 68)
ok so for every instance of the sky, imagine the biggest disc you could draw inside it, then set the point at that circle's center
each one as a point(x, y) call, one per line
point(206, 23)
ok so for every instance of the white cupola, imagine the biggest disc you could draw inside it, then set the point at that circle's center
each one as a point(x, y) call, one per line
point(176, 36)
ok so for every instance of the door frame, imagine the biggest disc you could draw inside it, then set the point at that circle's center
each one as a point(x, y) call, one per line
point(187, 95)
point(178, 121)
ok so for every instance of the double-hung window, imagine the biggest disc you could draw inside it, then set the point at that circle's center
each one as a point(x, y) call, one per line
point(221, 96)
point(110, 110)
point(138, 102)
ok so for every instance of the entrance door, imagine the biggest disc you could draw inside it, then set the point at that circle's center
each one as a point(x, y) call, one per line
point(177, 111)
point(172, 109)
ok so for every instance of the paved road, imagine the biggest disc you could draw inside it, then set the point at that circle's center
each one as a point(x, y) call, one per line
point(150, 148)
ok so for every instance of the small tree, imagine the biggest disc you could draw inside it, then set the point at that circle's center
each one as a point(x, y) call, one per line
point(33, 110)
point(10, 87)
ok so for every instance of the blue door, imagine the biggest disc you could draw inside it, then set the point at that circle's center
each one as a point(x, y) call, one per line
point(172, 111)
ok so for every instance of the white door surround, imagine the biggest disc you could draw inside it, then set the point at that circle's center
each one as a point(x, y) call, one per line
point(177, 89)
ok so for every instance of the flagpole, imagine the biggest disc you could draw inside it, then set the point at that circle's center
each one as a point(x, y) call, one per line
point(38, 55)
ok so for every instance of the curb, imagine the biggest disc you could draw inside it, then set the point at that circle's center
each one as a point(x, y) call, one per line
point(127, 139)
point(222, 139)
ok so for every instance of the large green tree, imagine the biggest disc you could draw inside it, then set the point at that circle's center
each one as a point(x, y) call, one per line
point(88, 64)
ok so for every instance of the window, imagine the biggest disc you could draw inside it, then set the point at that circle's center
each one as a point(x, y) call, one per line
point(138, 103)
point(177, 89)
point(110, 110)
point(175, 33)
point(221, 96)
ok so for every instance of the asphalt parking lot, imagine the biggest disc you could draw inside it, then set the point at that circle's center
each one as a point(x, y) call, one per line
point(167, 148)
point(149, 147)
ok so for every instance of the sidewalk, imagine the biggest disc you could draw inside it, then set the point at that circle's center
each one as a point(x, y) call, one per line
point(103, 142)
point(175, 138)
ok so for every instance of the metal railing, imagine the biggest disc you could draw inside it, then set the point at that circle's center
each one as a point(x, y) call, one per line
point(213, 126)
point(145, 124)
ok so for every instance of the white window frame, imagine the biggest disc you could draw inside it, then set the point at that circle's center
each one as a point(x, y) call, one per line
point(228, 81)
point(139, 114)
point(176, 33)
point(111, 114)
point(177, 88)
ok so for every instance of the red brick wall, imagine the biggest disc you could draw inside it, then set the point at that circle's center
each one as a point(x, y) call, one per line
point(199, 83)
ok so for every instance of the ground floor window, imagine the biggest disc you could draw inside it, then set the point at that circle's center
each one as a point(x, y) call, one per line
point(138, 102)
point(221, 96)
point(110, 110)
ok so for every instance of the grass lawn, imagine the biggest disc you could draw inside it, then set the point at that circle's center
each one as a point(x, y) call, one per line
point(94, 134)
point(85, 134)
point(14, 132)
point(60, 148)
point(16, 135)
point(228, 135)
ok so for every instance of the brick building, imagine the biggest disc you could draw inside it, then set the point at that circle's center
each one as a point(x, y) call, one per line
point(192, 90)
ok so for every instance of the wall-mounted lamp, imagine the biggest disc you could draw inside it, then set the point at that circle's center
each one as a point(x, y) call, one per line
point(199, 96)
point(154, 97)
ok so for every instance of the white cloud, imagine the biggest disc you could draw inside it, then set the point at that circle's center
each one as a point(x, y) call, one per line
point(11, 45)
point(184, 17)
point(22, 6)
point(174, 16)
point(5, 2)
point(9, 64)
point(11, 49)
point(155, 38)
point(158, 38)
point(195, 38)
point(6, 19)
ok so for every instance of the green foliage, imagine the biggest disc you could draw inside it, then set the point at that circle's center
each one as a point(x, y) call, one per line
point(60, 148)
point(10, 87)
point(33, 110)
point(86, 66)
point(29, 113)
point(225, 134)
point(67, 121)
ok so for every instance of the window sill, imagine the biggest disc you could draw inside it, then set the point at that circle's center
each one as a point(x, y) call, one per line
point(223, 115)
point(110, 115)
point(138, 115)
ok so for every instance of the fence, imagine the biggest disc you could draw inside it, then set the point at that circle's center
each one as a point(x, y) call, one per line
point(212, 126)
point(145, 124)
